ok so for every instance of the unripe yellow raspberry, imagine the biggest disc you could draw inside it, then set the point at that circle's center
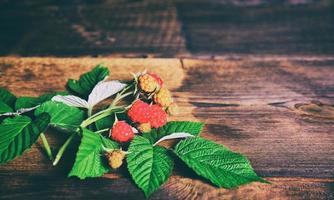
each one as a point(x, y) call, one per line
point(163, 97)
point(115, 158)
point(144, 127)
point(148, 83)
point(173, 109)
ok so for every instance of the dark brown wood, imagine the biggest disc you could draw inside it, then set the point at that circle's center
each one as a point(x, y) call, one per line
point(252, 107)
point(277, 111)
point(26, 186)
point(213, 27)
point(166, 28)
point(101, 28)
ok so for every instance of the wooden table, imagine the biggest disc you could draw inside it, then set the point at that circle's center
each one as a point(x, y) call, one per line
point(275, 110)
point(145, 28)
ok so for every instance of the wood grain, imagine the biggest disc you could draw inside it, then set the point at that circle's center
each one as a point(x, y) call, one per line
point(250, 107)
point(165, 28)
point(215, 27)
point(16, 186)
point(100, 28)
point(277, 112)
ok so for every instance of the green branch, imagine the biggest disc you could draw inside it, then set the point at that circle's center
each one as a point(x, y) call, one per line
point(46, 146)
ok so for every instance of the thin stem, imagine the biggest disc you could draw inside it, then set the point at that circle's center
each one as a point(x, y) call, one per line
point(120, 95)
point(100, 115)
point(118, 98)
point(89, 113)
point(63, 148)
point(102, 130)
point(46, 146)
point(84, 124)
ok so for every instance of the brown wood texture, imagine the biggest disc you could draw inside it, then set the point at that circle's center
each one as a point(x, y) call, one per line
point(166, 28)
point(276, 111)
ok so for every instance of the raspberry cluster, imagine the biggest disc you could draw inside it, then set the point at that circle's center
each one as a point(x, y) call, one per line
point(147, 115)
point(149, 110)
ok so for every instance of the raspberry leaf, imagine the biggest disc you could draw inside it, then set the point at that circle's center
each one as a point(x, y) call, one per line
point(101, 91)
point(104, 90)
point(87, 81)
point(193, 128)
point(106, 122)
point(89, 160)
point(62, 115)
point(7, 97)
point(71, 100)
point(174, 136)
point(30, 102)
point(4, 108)
point(19, 133)
point(216, 163)
point(149, 166)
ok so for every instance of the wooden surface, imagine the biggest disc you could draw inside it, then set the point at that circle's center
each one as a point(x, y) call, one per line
point(277, 111)
point(146, 28)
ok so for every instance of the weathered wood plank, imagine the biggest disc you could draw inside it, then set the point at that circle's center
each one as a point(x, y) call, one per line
point(216, 27)
point(17, 185)
point(101, 28)
point(165, 28)
point(250, 106)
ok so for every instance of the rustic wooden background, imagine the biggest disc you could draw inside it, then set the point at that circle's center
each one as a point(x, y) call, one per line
point(259, 73)
point(170, 28)
point(277, 112)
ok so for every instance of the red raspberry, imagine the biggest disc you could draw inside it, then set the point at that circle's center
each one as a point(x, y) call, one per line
point(157, 78)
point(139, 112)
point(122, 132)
point(158, 116)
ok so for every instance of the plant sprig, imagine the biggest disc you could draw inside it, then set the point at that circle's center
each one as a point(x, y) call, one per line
point(136, 127)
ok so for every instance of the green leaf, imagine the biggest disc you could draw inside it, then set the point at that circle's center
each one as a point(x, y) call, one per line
point(89, 160)
point(215, 162)
point(26, 102)
point(19, 133)
point(7, 97)
point(29, 102)
point(87, 81)
point(194, 128)
point(4, 108)
point(62, 115)
point(149, 166)
point(106, 122)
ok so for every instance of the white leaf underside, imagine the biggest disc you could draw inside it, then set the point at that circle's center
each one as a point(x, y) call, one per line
point(174, 136)
point(101, 91)
point(71, 100)
point(104, 90)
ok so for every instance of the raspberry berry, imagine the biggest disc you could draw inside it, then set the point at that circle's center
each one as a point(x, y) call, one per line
point(163, 97)
point(144, 127)
point(139, 112)
point(115, 158)
point(122, 132)
point(149, 83)
point(158, 116)
point(157, 78)
point(173, 109)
